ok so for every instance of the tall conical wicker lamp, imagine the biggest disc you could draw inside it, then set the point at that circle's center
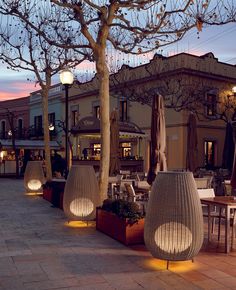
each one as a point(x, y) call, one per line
point(34, 177)
point(81, 194)
point(173, 228)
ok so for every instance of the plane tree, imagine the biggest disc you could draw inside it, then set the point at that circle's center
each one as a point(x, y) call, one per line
point(22, 48)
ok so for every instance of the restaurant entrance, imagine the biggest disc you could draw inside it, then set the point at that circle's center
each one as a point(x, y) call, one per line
point(87, 146)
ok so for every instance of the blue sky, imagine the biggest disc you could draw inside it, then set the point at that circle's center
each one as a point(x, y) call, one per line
point(220, 40)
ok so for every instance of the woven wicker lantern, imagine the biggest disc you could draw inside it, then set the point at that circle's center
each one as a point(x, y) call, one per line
point(81, 194)
point(34, 177)
point(174, 222)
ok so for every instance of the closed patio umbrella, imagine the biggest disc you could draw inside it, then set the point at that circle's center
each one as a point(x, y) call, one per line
point(191, 158)
point(233, 176)
point(114, 144)
point(228, 151)
point(158, 139)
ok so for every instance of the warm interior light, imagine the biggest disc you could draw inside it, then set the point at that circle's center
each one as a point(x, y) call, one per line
point(234, 90)
point(34, 184)
point(81, 207)
point(168, 239)
point(66, 77)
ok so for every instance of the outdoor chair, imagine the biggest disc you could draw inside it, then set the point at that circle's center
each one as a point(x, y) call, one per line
point(209, 180)
point(216, 213)
point(114, 183)
point(123, 182)
point(141, 176)
point(227, 187)
point(125, 173)
point(142, 184)
point(133, 196)
point(202, 182)
point(205, 193)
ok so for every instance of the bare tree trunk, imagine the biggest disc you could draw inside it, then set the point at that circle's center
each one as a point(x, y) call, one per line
point(16, 152)
point(103, 75)
point(45, 91)
point(13, 139)
point(70, 152)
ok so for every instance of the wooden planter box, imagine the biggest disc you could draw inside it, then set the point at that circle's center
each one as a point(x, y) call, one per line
point(53, 192)
point(119, 229)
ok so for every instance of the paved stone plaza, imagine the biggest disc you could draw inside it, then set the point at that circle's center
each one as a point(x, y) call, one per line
point(38, 250)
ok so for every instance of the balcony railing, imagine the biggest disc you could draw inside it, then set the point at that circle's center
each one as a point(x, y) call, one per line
point(19, 134)
point(26, 133)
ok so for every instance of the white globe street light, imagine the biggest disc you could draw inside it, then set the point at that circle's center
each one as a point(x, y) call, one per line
point(66, 78)
point(234, 90)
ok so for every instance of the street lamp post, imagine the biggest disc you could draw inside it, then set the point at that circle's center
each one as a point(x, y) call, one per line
point(66, 78)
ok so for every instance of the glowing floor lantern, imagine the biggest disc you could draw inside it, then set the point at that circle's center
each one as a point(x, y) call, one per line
point(34, 177)
point(173, 228)
point(81, 194)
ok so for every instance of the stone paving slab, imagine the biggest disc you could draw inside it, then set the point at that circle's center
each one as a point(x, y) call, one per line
point(38, 250)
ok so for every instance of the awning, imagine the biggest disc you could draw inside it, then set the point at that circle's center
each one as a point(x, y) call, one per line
point(90, 127)
point(27, 144)
point(132, 135)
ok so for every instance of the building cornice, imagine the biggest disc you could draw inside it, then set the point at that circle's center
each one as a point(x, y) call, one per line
point(159, 68)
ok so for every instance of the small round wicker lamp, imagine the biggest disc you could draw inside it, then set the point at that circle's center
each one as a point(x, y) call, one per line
point(81, 194)
point(173, 228)
point(34, 177)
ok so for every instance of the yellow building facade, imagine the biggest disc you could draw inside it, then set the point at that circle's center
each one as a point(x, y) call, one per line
point(202, 81)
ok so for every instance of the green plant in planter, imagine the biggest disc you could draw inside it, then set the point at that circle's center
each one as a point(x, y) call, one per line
point(123, 209)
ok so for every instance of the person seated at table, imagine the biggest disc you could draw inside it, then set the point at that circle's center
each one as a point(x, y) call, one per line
point(85, 153)
point(57, 174)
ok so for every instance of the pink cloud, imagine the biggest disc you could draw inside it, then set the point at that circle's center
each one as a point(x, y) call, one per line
point(9, 95)
point(16, 89)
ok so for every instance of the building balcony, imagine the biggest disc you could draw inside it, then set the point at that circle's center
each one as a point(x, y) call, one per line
point(27, 133)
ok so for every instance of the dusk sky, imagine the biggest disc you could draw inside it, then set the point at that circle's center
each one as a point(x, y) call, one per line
point(219, 40)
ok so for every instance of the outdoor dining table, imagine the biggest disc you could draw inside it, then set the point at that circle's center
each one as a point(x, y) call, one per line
point(228, 203)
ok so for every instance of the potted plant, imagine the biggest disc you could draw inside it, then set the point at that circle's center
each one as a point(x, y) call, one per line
point(122, 220)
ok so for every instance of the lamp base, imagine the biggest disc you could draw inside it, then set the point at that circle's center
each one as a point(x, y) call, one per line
point(168, 263)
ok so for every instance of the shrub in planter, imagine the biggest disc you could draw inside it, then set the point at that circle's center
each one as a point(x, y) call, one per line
point(53, 192)
point(122, 220)
point(123, 209)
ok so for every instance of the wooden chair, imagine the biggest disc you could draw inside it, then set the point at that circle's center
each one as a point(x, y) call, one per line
point(132, 196)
